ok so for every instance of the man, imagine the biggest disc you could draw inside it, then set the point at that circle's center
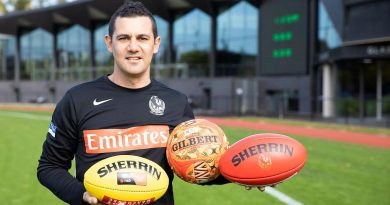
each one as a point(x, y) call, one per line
point(127, 101)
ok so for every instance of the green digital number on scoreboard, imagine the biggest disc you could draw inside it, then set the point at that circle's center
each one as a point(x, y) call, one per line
point(287, 19)
point(283, 37)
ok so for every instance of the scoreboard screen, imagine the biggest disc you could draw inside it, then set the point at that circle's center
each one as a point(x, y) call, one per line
point(283, 37)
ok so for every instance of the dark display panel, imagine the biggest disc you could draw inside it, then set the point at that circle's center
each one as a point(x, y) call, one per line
point(283, 37)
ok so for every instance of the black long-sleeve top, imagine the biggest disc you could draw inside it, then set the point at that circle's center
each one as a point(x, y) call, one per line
point(99, 108)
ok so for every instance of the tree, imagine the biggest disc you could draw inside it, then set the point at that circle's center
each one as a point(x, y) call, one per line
point(44, 3)
point(21, 4)
point(14, 5)
point(3, 8)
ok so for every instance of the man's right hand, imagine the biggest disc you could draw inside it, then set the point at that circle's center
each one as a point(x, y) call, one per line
point(90, 199)
point(260, 188)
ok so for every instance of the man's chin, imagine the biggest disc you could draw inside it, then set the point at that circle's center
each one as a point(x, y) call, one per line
point(135, 73)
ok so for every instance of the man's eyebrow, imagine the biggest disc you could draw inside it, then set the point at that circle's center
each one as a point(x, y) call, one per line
point(143, 35)
point(122, 35)
point(138, 35)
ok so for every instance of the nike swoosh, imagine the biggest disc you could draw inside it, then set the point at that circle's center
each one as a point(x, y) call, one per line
point(100, 102)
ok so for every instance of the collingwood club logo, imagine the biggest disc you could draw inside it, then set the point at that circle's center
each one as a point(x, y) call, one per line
point(156, 105)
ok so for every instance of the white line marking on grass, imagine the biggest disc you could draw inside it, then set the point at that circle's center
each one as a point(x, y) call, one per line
point(281, 197)
point(25, 115)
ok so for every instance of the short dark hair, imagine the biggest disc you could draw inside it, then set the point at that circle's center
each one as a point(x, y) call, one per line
point(131, 9)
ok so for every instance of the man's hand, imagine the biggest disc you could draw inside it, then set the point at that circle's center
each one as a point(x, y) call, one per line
point(260, 188)
point(90, 199)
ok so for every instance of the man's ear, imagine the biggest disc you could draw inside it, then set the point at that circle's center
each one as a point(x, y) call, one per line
point(108, 41)
point(156, 45)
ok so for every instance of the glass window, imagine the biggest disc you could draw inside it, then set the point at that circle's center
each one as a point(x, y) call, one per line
point(36, 50)
point(73, 53)
point(328, 36)
point(192, 41)
point(162, 31)
point(2, 59)
point(237, 40)
point(10, 44)
point(3, 56)
point(101, 53)
point(355, 79)
point(103, 58)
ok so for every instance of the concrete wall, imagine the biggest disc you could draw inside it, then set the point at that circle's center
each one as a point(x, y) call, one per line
point(301, 84)
point(218, 96)
point(213, 95)
point(7, 93)
point(242, 96)
point(31, 91)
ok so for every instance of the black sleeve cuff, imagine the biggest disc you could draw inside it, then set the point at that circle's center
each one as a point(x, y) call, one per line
point(218, 181)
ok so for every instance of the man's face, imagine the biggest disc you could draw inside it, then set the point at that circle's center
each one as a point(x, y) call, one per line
point(133, 45)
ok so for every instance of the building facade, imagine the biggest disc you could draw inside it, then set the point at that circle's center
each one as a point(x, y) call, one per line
point(321, 58)
point(353, 59)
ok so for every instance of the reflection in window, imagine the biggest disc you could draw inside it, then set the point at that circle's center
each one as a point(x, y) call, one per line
point(102, 55)
point(237, 40)
point(10, 58)
point(103, 58)
point(328, 36)
point(36, 48)
point(162, 31)
point(7, 57)
point(2, 58)
point(192, 41)
point(73, 53)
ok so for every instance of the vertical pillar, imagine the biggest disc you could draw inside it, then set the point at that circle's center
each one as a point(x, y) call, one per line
point(17, 59)
point(3, 60)
point(328, 91)
point(213, 41)
point(260, 89)
point(258, 59)
point(92, 61)
point(54, 67)
point(16, 85)
point(361, 93)
point(54, 63)
point(170, 46)
point(312, 55)
point(318, 78)
point(379, 92)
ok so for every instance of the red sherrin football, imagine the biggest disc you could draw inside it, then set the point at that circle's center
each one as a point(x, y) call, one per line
point(262, 159)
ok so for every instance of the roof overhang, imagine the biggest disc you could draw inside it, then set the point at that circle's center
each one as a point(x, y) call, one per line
point(86, 12)
point(82, 12)
point(371, 51)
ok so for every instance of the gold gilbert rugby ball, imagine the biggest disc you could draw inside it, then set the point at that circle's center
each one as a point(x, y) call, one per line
point(125, 179)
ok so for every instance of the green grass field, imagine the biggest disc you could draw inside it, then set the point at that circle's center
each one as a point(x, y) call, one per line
point(335, 173)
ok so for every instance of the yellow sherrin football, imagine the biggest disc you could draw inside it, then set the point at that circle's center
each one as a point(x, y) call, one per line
point(125, 179)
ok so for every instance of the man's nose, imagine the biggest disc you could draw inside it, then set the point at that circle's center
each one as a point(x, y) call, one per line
point(133, 46)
